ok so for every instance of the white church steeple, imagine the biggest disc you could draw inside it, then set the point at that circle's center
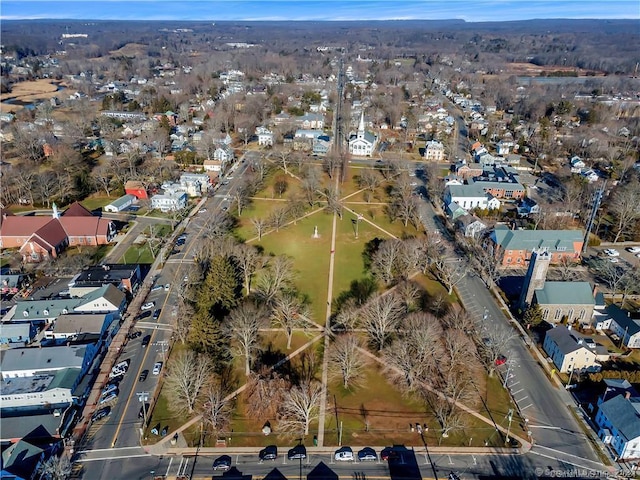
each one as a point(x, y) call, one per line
point(361, 126)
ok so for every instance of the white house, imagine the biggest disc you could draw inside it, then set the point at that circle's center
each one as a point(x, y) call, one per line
point(434, 151)
point(212, 165)
point(169, 202)
point(362, 143)
point(577, 164)
point(620, 323)
point(313, 121)
point(618, 420)
point(120, 204)
point(569, 350)
point(470, 196)
point(194, 184)
point(48, 389)
point(265, 137)
point(224, 153)
point(102, 300)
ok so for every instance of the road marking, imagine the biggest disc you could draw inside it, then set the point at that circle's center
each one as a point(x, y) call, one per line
point(169, 466)
point(548, 427)
point(112, 458)
point(514, 384)
point(567, 461)
point(522, 399)
point(521, 390)
point(524, 408)
point(109, 449)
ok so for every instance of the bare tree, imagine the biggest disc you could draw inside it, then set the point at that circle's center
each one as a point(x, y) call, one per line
point(334, 203)
point(185, 313)
point(216, 409)
point(278, 218)
point(289, 312)
point(332, 164)
point(250, 260)
point(348, 317)
point(283, 156)
point(186, 376)
point(346, 361)
point(300, 407)
point(612, 274)
point(103, 179)
point(625, 207)
point(494, 343)
point(277, 277)
point(259, 224)
point(56, 468)
point(380, 317)
point(449, 273)
point(265, 393)
point(388, 261)
point(243, 326)
point(369, 179)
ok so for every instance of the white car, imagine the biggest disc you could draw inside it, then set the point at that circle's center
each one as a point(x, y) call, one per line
point(612, 252)
point(148, 306)
point(633, 249)
point(614, 260)
point(344, 454)
point(167, 287)
point(157, 367)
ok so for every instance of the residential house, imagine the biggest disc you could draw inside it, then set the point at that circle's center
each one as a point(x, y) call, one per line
point(363, 142)
point(43, 237)
point(528, 206)
point(434, 151)
point(469, 197)
point(195, 184)
point(471, 226)
point(212, 165)
point(314, 121)
point(104, 299)
point(615, 387)
point(577, 164)
point(265, 137)
point(21, 461)
point(224, 153)
point(120, 204)
point(321, 145)
point(622, 326)
point(618, 420)
point(570, 350)
point(303, 140)
point(570, 301)
point(137, 189)
point(169, 202)
point(513, 248)
point(455, 211)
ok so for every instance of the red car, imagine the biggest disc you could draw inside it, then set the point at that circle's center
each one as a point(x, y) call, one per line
point(501, 360)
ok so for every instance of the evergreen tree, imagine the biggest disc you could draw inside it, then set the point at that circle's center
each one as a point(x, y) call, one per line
point(221, 288)
point(205, 336)
point(533, 315)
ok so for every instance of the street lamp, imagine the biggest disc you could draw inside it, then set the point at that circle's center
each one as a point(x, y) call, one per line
point(426, 447)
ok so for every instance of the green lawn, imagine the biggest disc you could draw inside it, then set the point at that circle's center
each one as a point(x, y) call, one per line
point(311, 257)
point(258, 209)
point(137, 254)
point(93, 202)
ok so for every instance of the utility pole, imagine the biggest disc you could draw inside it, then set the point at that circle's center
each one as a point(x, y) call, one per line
point(143, 397)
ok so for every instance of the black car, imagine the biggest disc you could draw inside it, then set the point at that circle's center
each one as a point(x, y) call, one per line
point(143, 315)
point(298, 452)
point(143, 375)
point(222, 463)
point(269, 453)
point(134, 334)
point(100, 414)
point(156, 313)
point(144, 408)
point(146, 340)
point(367, 454)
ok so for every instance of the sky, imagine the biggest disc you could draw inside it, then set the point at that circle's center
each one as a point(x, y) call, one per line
point(326, 10)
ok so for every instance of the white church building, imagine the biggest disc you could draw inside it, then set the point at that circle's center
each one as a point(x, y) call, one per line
point(362, 143)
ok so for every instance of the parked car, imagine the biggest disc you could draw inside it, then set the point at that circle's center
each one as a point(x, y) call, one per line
point(146, 340)
point(343, 454)
point(612, 252)
point(388, 453)
point(156, 288)
point(633, 249)
point(167, 286)
point(109, 389)
point(148, 306)
point(298, 452)
point(501, 360)
point(156, 313)
point(367, 454)
point(134, 334)
point(108, 398)
point(143, 375)
point(143, 315)
point(269, 452)
point(157, 367)
point(222, 463)
point(202, 210)
point(614, 260)
point(100, 414)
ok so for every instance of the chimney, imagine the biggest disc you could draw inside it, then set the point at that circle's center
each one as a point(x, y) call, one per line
point(627, 394)
point(595, 289)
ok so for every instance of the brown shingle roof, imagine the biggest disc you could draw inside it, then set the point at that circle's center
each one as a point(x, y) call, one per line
point(52, 233)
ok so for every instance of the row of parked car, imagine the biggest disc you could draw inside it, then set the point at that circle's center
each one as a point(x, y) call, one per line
point(299, 452)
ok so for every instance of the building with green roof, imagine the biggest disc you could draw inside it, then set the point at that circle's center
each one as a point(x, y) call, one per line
point(571, 301)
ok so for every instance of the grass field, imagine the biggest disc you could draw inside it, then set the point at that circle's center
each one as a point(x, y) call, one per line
point(137, 254)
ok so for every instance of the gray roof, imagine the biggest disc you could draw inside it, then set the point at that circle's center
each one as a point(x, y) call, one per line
point(624, 321)
point(11, 330)
point(565, 293)
point(35, 309)
point(566, 340)
point(110, 293)
point(553, 240)
point(19, 426)
point(80, 323)
point(43, 359)
point(123, 200)
point(466, 191)
point(623, 415)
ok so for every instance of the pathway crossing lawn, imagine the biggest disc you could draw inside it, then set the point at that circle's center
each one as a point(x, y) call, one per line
point(311, 257)
point(378, 215)
point(258, 209)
